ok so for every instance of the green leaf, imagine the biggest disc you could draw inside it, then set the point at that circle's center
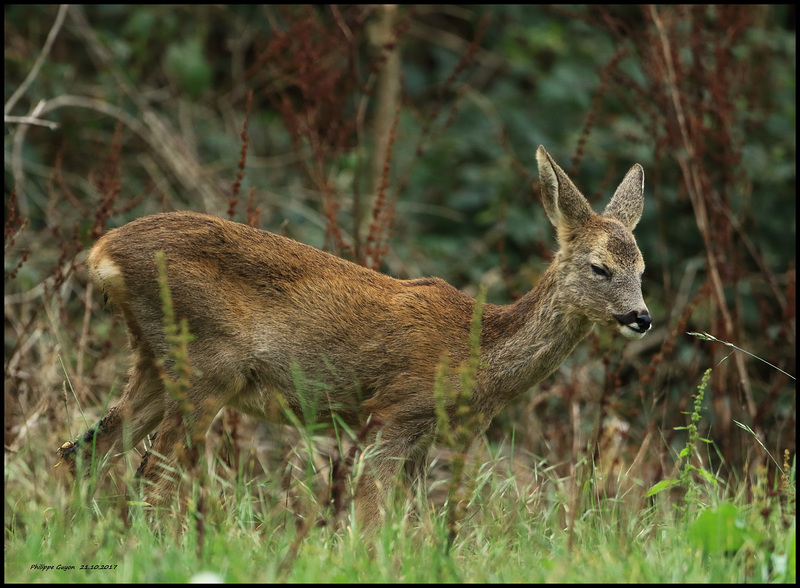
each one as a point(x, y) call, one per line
point(719, 529)
point(662, 485)
point(707, 475)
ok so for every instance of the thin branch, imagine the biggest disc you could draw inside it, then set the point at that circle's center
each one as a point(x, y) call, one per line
point(48, 44)
point(45, 106)
point(29, 120)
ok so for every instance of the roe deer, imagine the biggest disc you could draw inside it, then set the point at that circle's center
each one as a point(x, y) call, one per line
point(261, 306)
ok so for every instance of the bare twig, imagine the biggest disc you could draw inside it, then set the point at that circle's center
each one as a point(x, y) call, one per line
point(29, 120)
point(48, 44)
point(45, 106)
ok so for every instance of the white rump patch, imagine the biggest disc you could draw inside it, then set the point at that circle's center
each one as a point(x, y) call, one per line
point(108, 275)
point(106, 270)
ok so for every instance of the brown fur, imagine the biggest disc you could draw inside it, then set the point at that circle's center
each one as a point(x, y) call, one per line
point(367, 345)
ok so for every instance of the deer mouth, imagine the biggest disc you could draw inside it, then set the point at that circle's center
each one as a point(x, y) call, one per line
point(635, 324)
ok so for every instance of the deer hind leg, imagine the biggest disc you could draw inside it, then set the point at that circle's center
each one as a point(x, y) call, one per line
point(124, 425)
point(179, 441)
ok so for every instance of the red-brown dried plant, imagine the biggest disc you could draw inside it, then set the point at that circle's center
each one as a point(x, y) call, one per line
point(694, 75)
point(306, 71)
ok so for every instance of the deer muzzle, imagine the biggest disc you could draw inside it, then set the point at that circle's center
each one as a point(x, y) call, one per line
point(634, 324)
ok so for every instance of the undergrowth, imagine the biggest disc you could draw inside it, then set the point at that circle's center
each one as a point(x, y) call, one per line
point(495, 523)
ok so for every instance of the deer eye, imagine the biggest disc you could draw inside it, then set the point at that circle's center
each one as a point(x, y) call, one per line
point(601, 271)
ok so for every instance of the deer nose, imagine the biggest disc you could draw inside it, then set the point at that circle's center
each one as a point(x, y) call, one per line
point(644, 321)
point(636, 320)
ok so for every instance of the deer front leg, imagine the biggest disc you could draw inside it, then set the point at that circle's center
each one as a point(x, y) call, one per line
point(401, 449)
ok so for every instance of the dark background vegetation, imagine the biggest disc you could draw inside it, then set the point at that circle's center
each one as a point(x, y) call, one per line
point(281, 117)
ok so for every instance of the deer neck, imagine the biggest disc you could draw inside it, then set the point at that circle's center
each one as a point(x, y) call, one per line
point(525, 342)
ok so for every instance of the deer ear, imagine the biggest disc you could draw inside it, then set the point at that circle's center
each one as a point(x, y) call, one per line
point(628, 202)
point(564, 204)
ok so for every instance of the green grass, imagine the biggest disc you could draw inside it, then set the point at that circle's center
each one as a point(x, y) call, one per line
point(510, 532)
point(496, 523)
